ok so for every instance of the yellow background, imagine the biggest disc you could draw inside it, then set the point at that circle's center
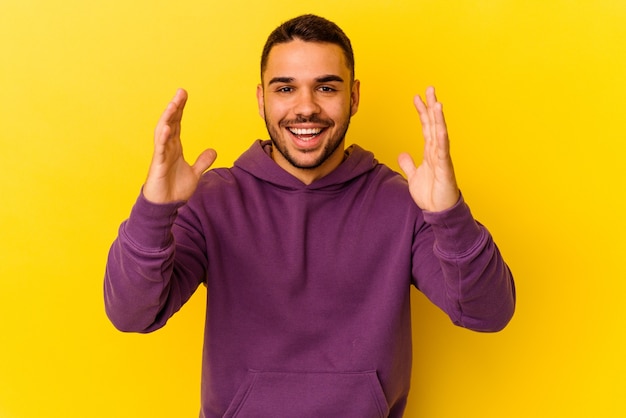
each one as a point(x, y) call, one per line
point(534, 93)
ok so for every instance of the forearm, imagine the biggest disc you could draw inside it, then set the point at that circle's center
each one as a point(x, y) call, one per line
point(145, 282)
point(476, 287)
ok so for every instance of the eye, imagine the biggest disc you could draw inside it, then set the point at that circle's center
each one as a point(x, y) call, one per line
point(284, 89)
point(326, 89)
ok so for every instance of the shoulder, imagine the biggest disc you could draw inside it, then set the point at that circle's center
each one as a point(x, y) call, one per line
point(219, 187)
point(388, 181)
point(388, 192)
point(221, 181)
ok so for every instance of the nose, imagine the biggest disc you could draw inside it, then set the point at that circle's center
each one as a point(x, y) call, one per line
point(306, 104)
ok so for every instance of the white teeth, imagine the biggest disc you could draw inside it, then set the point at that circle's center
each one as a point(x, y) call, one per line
point(307, 131)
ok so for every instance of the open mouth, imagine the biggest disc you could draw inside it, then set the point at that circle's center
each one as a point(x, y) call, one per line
point(305, 134)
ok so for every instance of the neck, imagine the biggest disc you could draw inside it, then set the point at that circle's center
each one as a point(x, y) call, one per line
point(309, 175)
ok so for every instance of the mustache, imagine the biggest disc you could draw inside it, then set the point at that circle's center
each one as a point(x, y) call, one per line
point(307, 119)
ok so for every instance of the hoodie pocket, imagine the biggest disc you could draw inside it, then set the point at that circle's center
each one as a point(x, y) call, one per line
point(319, 395)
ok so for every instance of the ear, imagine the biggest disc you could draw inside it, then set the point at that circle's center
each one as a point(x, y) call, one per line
point(355, 95)
point(260, 100)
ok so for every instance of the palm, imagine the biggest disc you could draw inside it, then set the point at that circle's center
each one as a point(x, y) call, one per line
point(170, 177)
point(432, 184)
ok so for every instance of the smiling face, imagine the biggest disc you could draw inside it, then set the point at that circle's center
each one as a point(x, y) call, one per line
point(307, 98)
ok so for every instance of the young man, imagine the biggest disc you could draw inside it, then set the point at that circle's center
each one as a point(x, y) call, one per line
point(308, 249)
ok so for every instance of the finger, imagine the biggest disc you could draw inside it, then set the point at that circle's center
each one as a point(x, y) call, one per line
point(407, 164)
point(420, 105)
point(172, 115)
point(431, 104)
point(179, 101)
point(178, 106)
point(435, 107)
point(173, 111)
point(204, 161)
point(161, 134)
point(443, 143)
point(439, 127)
point(431, 97)
point(180, 98)
point(168, 125)
point(424, 115)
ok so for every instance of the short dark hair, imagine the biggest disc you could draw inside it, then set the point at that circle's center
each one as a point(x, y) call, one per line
point(309, 28)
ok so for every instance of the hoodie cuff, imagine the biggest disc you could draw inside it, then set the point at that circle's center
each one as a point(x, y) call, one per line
point(149, 225)
point(456, 231)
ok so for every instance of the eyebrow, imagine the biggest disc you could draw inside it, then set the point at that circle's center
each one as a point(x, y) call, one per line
point(323, 79)
point(329, 78)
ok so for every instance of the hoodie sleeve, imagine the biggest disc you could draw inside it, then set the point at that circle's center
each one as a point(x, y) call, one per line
point(144, 283)
point(458, 267)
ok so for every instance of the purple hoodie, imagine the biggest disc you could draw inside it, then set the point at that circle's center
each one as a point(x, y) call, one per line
point(308, 307)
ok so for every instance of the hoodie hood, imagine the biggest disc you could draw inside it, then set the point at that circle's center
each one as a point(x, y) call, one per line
point(257, 161)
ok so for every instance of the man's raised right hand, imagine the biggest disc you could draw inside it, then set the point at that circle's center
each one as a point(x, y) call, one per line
point(170, 177)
